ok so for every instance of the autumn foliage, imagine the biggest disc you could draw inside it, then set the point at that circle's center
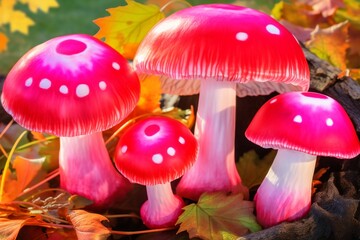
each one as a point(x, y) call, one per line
point(32, 205)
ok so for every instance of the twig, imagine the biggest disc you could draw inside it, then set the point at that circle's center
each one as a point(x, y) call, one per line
point(129, 215)
point(141, 232)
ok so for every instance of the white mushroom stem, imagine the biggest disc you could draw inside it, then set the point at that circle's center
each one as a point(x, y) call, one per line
point(86, 170)
point(285, 193)
point(215, 168)
point(162, 208)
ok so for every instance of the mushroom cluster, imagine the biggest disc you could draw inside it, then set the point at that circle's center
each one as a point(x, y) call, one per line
point(154, 152)
point(301, 126)
point(75, 87)
point(220, 51)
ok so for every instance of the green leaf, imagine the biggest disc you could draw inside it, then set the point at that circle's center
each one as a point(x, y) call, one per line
point(218, 216)
point(253, 169)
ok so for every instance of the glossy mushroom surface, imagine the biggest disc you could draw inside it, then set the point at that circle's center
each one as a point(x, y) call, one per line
point(219, 51)
point(301, 126)
point(154, 152)
point(75, 86)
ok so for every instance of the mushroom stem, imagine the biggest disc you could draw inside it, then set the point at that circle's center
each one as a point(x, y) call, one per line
point(285, 193)
point(215, 168)
point(86, 170)
point(162, 208)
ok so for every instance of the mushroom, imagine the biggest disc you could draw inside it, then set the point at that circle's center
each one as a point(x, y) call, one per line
point(154, 152)
point(231, 50)
point(302, 126)
point(75, 87)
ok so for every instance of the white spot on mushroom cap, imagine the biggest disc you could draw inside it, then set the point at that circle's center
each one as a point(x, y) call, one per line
point(82, 90)
point(28, 82)
point(171, 151)
point(157, 158)
point(45, 83)
point(181, 140)
point(242, 36)
point(102, 85)
point(116, 66)
point(329, 122)
point(64, 89)
point(297, 119)
point(272, 29)
point(273, 101)
point(124, 149)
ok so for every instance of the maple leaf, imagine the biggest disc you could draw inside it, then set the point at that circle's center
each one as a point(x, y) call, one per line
point(20, 22)
point(3, 42)
point(127, 26)
point(43, 5)
point(89, 225)
point(330, 43)
point(325, 7)
point(253, 169)
point(218, 216)
point(25, 171)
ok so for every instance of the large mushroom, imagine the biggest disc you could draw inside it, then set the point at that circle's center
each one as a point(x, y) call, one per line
point(301, 125)
point(221, 51)
point(154, 152)
point(75, 87)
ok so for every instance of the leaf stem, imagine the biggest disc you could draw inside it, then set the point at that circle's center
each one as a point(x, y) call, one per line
point(7, 164)
point(174, 1)
point(141, 232)
point(130, 215)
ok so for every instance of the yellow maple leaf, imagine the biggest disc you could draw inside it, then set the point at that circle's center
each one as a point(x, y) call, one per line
point(20, 22)
point(6, 9)
point(3, 42)
point(331, 43)
point(43, 5)
point(127, 26)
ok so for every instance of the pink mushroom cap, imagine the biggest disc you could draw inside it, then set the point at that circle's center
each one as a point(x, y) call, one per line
point(155, 150)
point(308, 122)
point(227, 43)
point(70, 85)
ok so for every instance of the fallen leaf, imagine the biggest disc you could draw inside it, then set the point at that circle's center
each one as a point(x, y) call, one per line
point(218, 216)
point(325, 7)
point(89, 225)
point(351, 13)
point(43, 5)
point(127, 26)
point(3, 42)
point(330, 44)
point(9, 228)
point(25, 171)
point(253, 169)
point(150, 95)
point(302, 34)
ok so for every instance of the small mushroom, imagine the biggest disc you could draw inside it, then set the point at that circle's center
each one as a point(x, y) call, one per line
point(75, 87)
point(220, 51)
point(302, 126)
point(154, 152)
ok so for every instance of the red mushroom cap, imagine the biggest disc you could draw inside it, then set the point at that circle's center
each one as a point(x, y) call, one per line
point(224, 42)
point(305, 121)
point(70, 85)
point(155, 150)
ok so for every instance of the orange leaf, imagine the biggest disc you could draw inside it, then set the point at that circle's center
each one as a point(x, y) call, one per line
point(150, 95)
point(89, 225)
point(127, 26)
point(3, 42)
point(26, 170)
point(9, 228)
point(331, 44)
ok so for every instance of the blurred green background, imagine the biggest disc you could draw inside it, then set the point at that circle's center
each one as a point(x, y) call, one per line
point(77, 16)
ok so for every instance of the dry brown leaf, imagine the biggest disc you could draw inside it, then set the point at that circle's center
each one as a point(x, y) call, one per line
point(325, 7)
point(89, 225)
point(9, 228)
